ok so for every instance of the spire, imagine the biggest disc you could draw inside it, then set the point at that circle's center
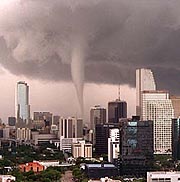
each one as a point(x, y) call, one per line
point(119, 92)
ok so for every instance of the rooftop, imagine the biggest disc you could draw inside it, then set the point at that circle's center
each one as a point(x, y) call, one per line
point(100, 165)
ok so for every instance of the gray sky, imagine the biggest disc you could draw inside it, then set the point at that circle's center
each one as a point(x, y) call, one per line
point(92, 41)
point(60, 97)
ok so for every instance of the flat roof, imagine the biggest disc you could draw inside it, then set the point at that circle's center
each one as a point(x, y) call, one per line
point(100, 165)
point(162, 174)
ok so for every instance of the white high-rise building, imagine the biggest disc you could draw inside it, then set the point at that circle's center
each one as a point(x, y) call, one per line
point(113, 145)
point(157, 106)
point(144, 81)
point(22, 102)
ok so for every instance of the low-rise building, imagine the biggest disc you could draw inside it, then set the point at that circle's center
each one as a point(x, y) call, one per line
point(163, 176)
point(47, 164)
point(7, 178)
point(38, 138)
point(31, 166)
point(23, 134)
point(66, 143)
point(82, 149)
point(97, 171)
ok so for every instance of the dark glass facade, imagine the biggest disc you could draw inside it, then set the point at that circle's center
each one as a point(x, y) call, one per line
point(101, 137)
point(176, 139)
point(136, 146)
point(11, 121)
point(116, 109)
point(97, 171)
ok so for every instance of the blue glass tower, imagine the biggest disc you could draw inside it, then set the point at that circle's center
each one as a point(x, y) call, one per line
point(22, 102)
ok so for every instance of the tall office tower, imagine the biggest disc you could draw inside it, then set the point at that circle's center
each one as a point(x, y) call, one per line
point(176, 139)
point(71, 128)
point(97, 116)
point(176, 105)
point(116, 109)
point(158, 107)
point(102, 133)
point(136, 146)
point(144, 81)
point(22, 102)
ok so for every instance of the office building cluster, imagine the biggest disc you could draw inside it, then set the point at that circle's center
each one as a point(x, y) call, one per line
point(128, 142)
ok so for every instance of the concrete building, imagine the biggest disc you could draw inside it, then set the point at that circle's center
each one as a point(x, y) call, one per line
point(71, 127)
point(66, 143)
point(144, 81)
point(158, 107)
point(23, 134)
point(163, 176)
point(82, 149)
point(38, 125)
point(116, 109)
point(22, 102)
point(38, 138)
point(54, 129)
point(56, 120)
point(97, 116)
point(176, 105)
point(43, 116)
point(6, 132)
point(113, 145)
point(7, 178)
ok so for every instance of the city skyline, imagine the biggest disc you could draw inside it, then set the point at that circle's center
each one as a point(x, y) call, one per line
point(94, 48)
point(42, 99)
point(90, 90)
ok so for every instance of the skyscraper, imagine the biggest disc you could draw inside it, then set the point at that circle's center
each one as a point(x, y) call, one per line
point(22, 102)
point(116, 109)
point(71, 127)
point(176, 139)
point(101, 137)
point(136, 146)
point(176, 105)
point(97, 116)
point(144, 81)
point(158, 107)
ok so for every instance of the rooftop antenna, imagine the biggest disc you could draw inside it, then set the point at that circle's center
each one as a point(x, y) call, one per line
point(119, 92)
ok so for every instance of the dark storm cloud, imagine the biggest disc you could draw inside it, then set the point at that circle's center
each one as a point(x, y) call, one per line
point(37, 38)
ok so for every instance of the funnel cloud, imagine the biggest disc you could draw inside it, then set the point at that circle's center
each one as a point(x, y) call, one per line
point(98, 41)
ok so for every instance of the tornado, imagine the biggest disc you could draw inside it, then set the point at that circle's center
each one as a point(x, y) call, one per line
point(77, 69)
